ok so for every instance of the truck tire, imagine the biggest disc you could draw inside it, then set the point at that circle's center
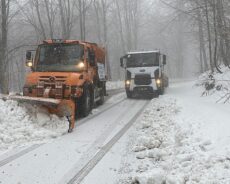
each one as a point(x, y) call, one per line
point(161, 91)
point(102, 97)
point(86, 105)
point(129, 94)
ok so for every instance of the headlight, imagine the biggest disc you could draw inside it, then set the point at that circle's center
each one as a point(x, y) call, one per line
point(158, 81)
point(127, 82)
point(81, 65)
point(29, 64)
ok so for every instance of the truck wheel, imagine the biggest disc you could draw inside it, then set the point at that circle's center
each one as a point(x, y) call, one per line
point(86, 105)
point(102, 98)
point(167, 84)
point(129, 94)
point(161, 91)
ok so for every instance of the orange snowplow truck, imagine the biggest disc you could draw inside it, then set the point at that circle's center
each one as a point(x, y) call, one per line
point(68, 76)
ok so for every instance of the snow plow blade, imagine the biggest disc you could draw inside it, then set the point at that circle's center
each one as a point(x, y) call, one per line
point(59, 107)
point(36, 100)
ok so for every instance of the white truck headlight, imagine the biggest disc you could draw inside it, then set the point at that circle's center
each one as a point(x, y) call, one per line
point(158, 81)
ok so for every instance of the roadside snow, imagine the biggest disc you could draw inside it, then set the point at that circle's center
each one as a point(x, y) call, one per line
point(173, 144)
point(114, 85)
point(116, 98)
point(26, 124)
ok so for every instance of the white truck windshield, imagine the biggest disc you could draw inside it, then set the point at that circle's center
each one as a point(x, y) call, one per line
point(142, 60)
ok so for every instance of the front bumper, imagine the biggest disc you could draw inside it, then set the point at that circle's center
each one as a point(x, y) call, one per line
point(152, 88)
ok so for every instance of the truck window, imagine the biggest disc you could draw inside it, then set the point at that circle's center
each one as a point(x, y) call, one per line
point(59, 57)
point(142, 60)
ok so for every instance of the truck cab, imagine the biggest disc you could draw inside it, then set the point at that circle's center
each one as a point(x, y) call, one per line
point(144, 73)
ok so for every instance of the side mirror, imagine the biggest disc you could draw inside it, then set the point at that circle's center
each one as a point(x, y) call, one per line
point(164, 59)
point(29, 59)
point(28, 55)
point(121, 62)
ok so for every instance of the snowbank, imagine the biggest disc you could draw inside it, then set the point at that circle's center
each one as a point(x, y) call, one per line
point(168, 150)
point(110, 85)
point(26, 124)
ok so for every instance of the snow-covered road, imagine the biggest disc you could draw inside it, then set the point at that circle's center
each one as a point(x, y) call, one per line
point(177, 138)
point(61, 160)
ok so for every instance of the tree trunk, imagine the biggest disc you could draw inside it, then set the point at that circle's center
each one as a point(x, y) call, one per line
point(98, 25)
point(4, 81)
point(216, 38)
point(63, 21)
point(209, 35)
point(40, 20)
point(120, 27)
point(81, 4)
point(49, 18)
point(202, 42)
point(104, 10)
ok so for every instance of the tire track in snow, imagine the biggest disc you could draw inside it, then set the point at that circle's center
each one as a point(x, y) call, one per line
point(99, 113)
point(23, 152)
point(86, 169)
point(19, 154)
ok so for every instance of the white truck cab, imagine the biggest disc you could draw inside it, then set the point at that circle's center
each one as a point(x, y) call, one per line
point(144, 73)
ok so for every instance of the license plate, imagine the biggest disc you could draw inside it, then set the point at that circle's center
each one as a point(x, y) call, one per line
point(142, 89)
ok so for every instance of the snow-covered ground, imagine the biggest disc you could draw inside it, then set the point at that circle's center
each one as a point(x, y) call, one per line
point(115, 85)
point(21, 125)
point(180, 138)
point(59, 160)
point(24, 124)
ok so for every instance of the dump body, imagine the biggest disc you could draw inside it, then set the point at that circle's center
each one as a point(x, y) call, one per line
point(144, 73)
point(70, 71)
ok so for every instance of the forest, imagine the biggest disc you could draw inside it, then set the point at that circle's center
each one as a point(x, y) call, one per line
point(194, 34)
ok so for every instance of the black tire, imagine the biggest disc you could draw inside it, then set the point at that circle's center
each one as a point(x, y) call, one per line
point(86, 102)
point(167, 84)
point(161, 91)
point(129, 94)
point(102, 98)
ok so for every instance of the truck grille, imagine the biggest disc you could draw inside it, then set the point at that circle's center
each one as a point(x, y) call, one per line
point(143, 79)
point(56, 85)
point(52, 79)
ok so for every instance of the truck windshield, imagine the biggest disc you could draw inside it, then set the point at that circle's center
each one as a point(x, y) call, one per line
point(59, 57)
point(142, 60)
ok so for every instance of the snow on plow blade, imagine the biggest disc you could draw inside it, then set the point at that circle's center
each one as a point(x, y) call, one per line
point(36, 100)
point(61, 107)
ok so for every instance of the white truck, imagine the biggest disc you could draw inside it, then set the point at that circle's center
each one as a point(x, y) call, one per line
point(144, 73)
